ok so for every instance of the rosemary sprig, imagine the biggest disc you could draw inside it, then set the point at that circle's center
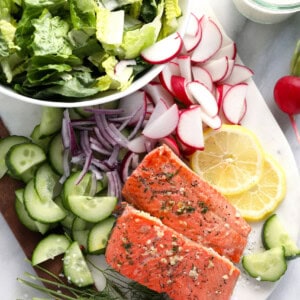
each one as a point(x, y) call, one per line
point(117, 287)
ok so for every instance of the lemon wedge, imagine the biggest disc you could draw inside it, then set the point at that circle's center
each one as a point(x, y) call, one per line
point(232, 161)
point(264, 197)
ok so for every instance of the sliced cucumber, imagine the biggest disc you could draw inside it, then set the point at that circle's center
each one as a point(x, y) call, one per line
point(274, 234)
point(269, 265)
point(5, 144)
point(92, 209)
point(49, 247)
point(46, 182)
point(22, 214)
point(99, 234)
point(81, 237)
point(24, 217)
point(67, 222)
point(75, 267)
point(22, 157)
point(42, 211)
point(56, 154)
point(36, 138)
point(51, 121)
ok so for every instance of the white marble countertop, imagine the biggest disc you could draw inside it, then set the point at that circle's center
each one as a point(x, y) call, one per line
point(267, 50)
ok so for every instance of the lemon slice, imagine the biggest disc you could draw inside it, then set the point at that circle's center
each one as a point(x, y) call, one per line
point(231, 161)
point(264, 197)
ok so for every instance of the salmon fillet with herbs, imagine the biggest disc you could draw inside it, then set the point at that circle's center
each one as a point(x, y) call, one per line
point(165, 187)
point(143, 249)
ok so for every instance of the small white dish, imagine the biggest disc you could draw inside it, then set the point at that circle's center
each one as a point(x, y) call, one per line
point(267, 11)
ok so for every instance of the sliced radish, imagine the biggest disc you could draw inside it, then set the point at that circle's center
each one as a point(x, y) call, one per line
point(201, 75)
point(160, 108)
point(221, 91)
point(157, 92)
point(191, 41)
point(239, 74)
point(204, 97)
point(190, 130)
point(138, 144)
point(171, 142)
point(192, 27)
point(164, 125)
point(157, 54)
point(218, 68)
point(210, 43)
point(179, 87)
point(171, 68)
point(184, 62)
point(228, 50)
point(234, 103)
point(134, 106)
point(212, 122)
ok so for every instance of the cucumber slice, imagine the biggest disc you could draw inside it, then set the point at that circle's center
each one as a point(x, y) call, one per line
point(51, 120)
point(81, 237)
point(99, 234)
point(5, 144)
point(49, 247)
point(92, 209)
point(269, 265)
point(67, 222)
point(36, 138)
point(75, 267)
point(42, 211)
point(274, 234)
point(56, 154)
point(22, 157)
point(46, 182)
point(24, 217)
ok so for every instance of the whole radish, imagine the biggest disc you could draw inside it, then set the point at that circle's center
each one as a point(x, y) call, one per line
point(287, 91)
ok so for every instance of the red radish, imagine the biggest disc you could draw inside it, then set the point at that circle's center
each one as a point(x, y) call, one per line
point(228, 50)
point(218, 68)
point(157, 92)
point(191, 41)
point(192, 27)
point(201, 75)
point(287, 97)
point(157, 54)
point(130, 103)
point(160, 108)
point(234, 103)
point(170, 141)
point(164, 125)
point(179, 87)
point(239, 74)
point(212, 122)
point(204, 97)
point(171, 68)
point(221, 92)
point(210, 43)
point(190, 129)
point(138, 144)
point(184, 62)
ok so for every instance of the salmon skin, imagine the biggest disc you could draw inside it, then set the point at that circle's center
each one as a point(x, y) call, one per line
point(143, 249)
point(165, 187)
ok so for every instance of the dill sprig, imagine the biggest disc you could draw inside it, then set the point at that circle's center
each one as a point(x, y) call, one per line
point(117, 287)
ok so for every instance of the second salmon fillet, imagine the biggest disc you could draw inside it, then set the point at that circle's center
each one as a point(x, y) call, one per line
point(165, 187)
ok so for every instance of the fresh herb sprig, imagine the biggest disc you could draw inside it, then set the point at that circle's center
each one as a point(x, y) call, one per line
point(116, 288)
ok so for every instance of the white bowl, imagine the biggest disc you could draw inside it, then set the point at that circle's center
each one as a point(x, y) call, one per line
point(267, 11)
point(112, 95)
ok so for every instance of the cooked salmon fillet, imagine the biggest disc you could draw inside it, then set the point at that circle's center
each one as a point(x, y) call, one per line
point(143, 249)
point(165, 187)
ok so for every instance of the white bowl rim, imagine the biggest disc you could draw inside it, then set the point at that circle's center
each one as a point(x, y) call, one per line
point(136, 85)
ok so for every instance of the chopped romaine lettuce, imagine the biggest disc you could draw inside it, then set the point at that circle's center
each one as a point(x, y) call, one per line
point(55, 49)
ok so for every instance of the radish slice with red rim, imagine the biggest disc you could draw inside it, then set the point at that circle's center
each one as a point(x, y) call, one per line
point(228, 50)
point(240, 73)
point(164, 125)
point(157, 54)
point(210, 43)
point(184, 62)
point(171, 68)
point(190, 129)
point(179, 86)
point(234, 103)
point(201, 75)
point(157, 92)
point(204, 97)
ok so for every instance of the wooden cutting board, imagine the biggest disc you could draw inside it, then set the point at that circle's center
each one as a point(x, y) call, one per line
point(26, 238)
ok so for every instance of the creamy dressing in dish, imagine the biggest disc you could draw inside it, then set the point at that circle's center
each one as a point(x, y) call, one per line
point(267, 11)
